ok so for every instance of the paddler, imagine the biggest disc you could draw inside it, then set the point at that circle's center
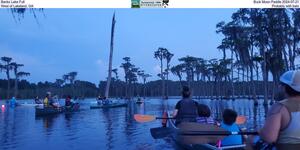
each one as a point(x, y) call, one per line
point(68, 101)
point(204, 115)
point(282, 125)
point(186, 108)
point(48, 101)
point(228, 123)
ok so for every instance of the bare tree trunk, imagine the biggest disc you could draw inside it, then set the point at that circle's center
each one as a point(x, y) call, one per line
point(162, 80)
point(243, 83)
point(253, 85)
point(257, 67)
point(8, 84)
point(144, 89)
point(110, 56)
point(248, 85)
point(265, 76)
point(238, 77)
point(232, 80)
point(16, 87)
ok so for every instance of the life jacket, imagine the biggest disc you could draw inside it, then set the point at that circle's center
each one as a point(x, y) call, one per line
point(231, 139)
point(46, 101)
point(187, 112)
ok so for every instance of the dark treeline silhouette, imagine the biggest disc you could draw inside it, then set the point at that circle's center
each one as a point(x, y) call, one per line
point(84, 89)
point(200, 89)
point(79, 89)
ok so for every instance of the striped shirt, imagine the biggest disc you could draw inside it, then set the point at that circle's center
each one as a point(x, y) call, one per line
point(205, 120)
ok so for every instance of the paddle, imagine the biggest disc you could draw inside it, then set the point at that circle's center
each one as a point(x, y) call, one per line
point(226, 133)
point(162, 132)
point(148, 118)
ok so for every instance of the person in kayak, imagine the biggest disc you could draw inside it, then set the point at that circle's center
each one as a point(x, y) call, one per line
point(204, 115)
point(48, 101)
point(186, 110)
point(228, 123)
point(282, 125)
point(105, 101)
point(37, 100)
point(13, 102)
point(68, 102)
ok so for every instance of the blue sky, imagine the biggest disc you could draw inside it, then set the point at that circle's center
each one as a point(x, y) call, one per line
point(68, 40)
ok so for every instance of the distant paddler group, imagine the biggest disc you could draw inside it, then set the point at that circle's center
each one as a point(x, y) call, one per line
point(139, 100)
point(103, 102)
point(51, 107)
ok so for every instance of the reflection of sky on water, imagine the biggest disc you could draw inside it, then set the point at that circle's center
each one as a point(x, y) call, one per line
point(101, 128)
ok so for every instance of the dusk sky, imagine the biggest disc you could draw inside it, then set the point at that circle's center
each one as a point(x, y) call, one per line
point(66, 40)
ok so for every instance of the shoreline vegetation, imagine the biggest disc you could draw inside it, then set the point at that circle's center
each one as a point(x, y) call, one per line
point(257, 46)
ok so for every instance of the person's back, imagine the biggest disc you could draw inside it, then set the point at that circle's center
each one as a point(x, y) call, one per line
point(68, 102)
point(228, 123)
point(185, 109)
point(46, 101)
point(204, 115)
point(12, 101)
point(282, 124)
point(291, 133)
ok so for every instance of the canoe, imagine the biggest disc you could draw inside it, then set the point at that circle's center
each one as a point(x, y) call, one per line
point(113, 105)
point(45, 111)
point(181, 140)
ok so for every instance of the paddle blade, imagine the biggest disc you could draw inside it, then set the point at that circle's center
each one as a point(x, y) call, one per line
point(161, 132)
point(143, 118)
point(241, 120)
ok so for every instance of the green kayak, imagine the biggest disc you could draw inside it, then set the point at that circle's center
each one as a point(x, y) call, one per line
point(113, 105)
point(48, 111)
point(45, 111)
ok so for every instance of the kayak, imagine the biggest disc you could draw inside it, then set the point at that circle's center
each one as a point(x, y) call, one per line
point(45, 111)
point(113, 105)
point(32, 105)
point(179, 141)
point(139, 102)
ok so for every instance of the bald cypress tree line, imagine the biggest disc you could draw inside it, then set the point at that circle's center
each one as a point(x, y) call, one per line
point(257, 46)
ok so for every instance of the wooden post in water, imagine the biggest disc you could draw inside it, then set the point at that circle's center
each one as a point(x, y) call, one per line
point(110, 56)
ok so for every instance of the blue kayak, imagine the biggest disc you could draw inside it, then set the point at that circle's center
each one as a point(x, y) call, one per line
point(112, 105)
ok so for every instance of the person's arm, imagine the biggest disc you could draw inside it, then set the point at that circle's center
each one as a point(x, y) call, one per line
point(270, 131)
point(175, 112)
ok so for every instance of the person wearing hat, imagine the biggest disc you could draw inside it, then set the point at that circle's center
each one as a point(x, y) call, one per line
point(186, 110)
point(47, 99)
point(282, 124)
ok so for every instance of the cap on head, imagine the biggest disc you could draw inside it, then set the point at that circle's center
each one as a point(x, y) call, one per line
point(292, 79)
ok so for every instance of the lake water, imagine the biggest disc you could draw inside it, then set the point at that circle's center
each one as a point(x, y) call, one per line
point(102, 129)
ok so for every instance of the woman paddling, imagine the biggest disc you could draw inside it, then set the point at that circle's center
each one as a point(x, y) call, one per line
point(186, 108)
point(282, 125)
